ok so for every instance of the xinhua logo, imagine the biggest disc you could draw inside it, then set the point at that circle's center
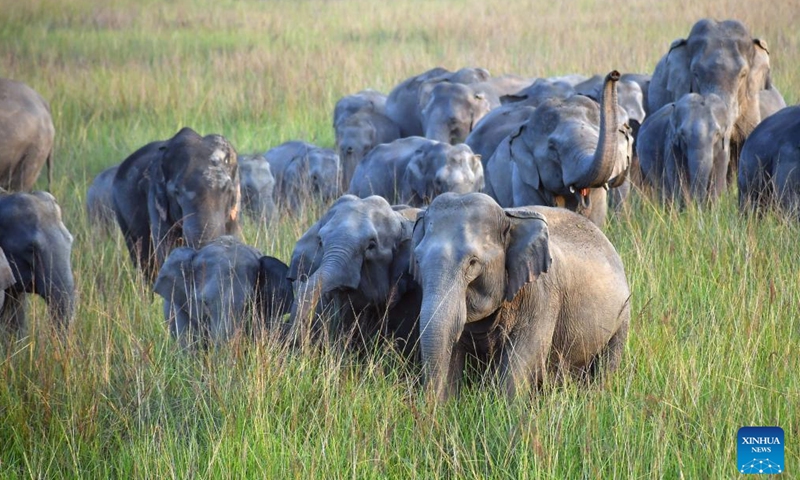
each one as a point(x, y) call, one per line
point(760, 450)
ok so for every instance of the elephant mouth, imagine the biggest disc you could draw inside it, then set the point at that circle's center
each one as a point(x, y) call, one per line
point(581, 196)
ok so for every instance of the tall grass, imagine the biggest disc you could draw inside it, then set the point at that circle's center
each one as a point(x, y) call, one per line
point(716, 296)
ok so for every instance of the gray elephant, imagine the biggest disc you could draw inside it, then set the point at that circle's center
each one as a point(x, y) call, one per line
point(100, 201)
point(182, 189)
point(303, 172)
point(683, 149)
point(365, 100)
point(353, 266)
point(414, 170)
point(490, 131)
point(258, 186)
point(540, 91)
point(37, 247)
point(220, 290)
point(769, 170)
point(449, 111)
point(629, 93)
point(358, 134)
point(566, 155)
point(26, 136)
point(403, 104)
point(538, 292)
point(720, 58)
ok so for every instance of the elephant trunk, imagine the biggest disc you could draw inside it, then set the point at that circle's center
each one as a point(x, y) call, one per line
point(596, 170)
point(333, 273)
point(442, 318)
point(57, 286)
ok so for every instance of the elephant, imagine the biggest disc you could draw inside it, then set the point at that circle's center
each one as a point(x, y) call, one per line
point(449, 111)
point(185, 189)
point(100, 201)
point(541, 90)
point(365, 100)
point(303, 171)
point(414, 170)
point(37, 248)
point(683, 149)
point(257, 185)
point(27, 135)
point(720, 58)
point(538, 292)
point(224, 288)
point(403, 104)
point(351, 277)
point(769, 170)
point(358, 134)
point(495, 126)
point(567, 154)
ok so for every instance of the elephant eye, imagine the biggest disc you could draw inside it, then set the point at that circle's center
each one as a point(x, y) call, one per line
point(372, 245)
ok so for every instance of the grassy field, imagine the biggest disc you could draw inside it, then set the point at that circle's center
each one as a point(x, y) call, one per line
point(716, 297)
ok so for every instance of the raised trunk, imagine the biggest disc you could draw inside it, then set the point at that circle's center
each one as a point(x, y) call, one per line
point(596, 170)
point(442, 319)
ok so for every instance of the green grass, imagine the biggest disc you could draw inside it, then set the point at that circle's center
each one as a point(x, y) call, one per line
point(716, 296)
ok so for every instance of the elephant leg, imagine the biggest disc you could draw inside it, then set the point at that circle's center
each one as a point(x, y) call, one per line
point(607, 360)
point(525, 356)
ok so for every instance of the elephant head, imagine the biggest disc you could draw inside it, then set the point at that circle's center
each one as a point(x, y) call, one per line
point(568, 150)
point(357, 135)
point(470, 257)
point(718, 58)
point(439, 167)
point(194, 191)
point(209, 292)
point(697, 147)
point(37, 247)
point(449, 111)
point(257, 185)
point(313, 173)
point(357, 253)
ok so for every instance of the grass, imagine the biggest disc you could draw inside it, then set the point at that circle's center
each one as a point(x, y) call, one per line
point(716, 296)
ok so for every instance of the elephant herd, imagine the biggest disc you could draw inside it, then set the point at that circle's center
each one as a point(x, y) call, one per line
point(464, 210)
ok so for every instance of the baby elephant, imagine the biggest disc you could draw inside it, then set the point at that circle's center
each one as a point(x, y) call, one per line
point(36, 249)
point(257, 185)
point(537, 292)
point(224, 288)
point(415, 170)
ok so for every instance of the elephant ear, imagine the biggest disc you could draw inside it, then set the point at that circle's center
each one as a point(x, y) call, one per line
point(679, 74)
point(414, 184)
point(522, 155)
point(476, 166)
point(175, 276)
point(760, 75)
point(527, 250)
point(6, 275)
point(402, 253)
point(418, 233)
point(273, 288)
